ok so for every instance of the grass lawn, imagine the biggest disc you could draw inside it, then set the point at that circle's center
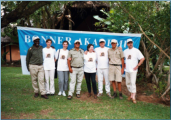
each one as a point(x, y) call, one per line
point(17, 102)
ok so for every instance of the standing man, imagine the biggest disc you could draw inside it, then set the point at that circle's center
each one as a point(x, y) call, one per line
point(132, 55)
point(75, 64)
point(116, 58)
point(34, 63)
point(102, 68)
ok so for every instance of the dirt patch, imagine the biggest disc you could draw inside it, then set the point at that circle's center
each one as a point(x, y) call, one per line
point(89, 99)
point(22, 116)
point(27, 116)
point(46, 111)
point(142, 96)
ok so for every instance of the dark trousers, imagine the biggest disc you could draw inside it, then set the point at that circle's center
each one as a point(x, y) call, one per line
point(91, 77)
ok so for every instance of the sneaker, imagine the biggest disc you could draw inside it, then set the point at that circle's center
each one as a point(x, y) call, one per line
point(69, 97)
point(109, 95)
point(78, 95)
point(114, 95)
point(64, 94)
point(60, 93)
point(99, 94)
point(120, 96)
point(36, 95)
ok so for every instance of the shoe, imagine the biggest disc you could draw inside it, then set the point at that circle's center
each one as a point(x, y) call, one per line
point(134, 101)
point(36, 95)
point(114, 95)
point(95, 96)
point(64, 94)
point(120, 96)
point(44, 96)
point(129, 98)
point(69, 97)
point(60, 93)
point(109, 95)
point(78, 95)
point(99, 94)
point(89, 95)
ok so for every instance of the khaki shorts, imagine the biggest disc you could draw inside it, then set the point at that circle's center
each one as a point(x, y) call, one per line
point(115, 73)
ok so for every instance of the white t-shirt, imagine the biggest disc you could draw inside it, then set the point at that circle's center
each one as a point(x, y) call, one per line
point(48, 58)
point(132, 56)
point(90, 62)
point(102, 57)
point(62, 61)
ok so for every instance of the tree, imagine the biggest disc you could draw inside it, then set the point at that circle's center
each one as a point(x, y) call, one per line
point(151, 18)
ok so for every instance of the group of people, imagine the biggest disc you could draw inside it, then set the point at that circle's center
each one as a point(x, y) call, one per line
point(107, 63)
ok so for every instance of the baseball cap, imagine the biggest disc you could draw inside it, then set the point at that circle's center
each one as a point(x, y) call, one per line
point(77, 41)
point(113, 41)
point(102, 40)
point(129, 40)
point(36, 38)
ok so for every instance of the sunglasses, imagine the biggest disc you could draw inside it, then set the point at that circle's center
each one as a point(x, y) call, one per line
point(77, 43)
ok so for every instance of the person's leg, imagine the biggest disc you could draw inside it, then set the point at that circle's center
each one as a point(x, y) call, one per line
point(80, 76)
point(52, 89)
point(72, 82)
point(47, 75)
point(66, 78)
point(34, 77)
point(87, 78)
point(128, 83)
point(93, 76)
point(107, 82)
point(41, 80)
point(100, 80)
point(114, 85)
point(60, 81)
point(133, 84)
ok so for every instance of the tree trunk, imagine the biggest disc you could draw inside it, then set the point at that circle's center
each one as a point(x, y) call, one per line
point(70, 17)
point(148, 71)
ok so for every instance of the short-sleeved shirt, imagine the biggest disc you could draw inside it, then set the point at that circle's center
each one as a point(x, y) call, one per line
point(115, 56)
point(48, 58)
point(62, 60)
point(102, 57)
point(132, 56)
point(77, 57)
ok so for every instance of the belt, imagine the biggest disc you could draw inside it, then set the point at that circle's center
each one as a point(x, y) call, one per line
point(116, 64)
point(38, 64)
point(75, 67)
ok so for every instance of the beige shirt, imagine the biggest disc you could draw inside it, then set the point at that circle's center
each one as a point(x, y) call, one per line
point(77, 57)
point(115, 56)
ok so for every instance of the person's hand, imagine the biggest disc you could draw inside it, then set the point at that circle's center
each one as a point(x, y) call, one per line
point(135, 68)
point(119, 48)
point(86, 52)
point(70, 70)
point(70, 58)
point(122, 71)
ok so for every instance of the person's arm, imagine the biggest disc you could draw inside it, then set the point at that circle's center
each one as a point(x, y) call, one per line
point(141, 58)
point(141, 61)
point(68, 62)
point(55, 55)
point(28, 59)
point(123, 66)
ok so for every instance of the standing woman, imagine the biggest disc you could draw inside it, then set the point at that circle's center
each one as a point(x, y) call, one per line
point(62, 68)
point(49, 67)
point(90, 70)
